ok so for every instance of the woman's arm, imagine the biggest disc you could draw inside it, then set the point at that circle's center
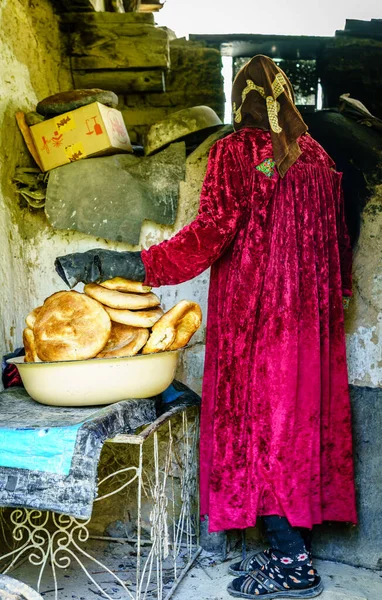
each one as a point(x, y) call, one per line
point(199, 244)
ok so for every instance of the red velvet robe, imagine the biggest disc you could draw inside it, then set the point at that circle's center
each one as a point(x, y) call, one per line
point(276, 425)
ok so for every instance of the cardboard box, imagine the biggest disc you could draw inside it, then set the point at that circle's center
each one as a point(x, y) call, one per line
point(91, 130)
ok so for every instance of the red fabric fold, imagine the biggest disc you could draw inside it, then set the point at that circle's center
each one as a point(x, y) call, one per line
point(276, 427)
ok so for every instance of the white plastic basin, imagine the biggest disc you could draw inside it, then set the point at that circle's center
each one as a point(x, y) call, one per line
point(98, 380)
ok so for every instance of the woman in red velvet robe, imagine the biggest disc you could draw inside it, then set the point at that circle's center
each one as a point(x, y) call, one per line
point(275, 430)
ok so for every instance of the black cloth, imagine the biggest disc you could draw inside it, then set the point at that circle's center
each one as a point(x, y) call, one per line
point(98, 265)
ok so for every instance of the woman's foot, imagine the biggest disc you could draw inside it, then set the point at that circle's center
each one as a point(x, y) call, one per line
point(273, 581)
point(251, 563)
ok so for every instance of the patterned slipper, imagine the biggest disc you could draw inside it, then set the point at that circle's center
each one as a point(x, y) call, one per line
point(257, 584)
point(251, 563)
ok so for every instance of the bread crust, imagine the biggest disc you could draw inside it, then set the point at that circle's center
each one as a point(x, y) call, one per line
point(124, 341)
point(120, 284)
point(175, 328)
point(31, 318)
point(135, 318)
point(71, 326)
point(121, 300)
point(29, 346)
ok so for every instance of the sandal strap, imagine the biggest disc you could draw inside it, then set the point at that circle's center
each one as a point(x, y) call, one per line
point(256, 560)
point(267, 583)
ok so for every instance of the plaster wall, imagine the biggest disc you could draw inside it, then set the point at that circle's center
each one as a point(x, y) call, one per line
point(364, 318)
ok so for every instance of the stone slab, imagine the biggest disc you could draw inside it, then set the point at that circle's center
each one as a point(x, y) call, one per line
point(121, 81)
point(119, 47)
point(111, 196)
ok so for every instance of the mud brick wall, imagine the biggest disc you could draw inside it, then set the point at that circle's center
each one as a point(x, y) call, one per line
point(194, 78)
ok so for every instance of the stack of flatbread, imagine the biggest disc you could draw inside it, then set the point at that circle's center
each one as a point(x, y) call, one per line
point(114, 319)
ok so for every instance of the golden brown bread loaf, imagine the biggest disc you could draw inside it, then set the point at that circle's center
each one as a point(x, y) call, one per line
point(124, 341)
point(125, 285)
point(135, 318)
point(120, 300)
point(29, 346)
point(70, 326)
point(31, 318)
point(175, 328)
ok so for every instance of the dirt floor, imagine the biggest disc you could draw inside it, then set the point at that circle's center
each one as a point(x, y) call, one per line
point(341, 582)
point(207, 580)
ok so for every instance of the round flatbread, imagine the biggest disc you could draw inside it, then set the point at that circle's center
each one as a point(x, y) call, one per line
point(120, 300)
point(120, 284)
point(71, 326)
point(175, 328)
point(135, 318)
point(124, 341)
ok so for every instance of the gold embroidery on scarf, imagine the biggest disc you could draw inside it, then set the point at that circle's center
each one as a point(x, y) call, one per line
point(277, 85)
point(249, 87)
point(273, 106)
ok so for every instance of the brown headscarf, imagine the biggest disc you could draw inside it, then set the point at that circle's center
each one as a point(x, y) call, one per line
point(263, 97)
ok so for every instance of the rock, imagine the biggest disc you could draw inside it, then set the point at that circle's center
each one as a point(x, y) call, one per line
point(119, 529)
point(66, 101)
point(11, 589)
point(180, 125)
point(111, 196)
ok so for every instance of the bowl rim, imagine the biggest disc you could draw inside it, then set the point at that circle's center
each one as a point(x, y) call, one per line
point(19, 360)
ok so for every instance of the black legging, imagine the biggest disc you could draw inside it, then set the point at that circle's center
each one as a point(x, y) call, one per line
point(286, 540)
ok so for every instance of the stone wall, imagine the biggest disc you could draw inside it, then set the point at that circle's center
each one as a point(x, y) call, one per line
point(194, 79)
point(34, 64)
point(153, 72)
